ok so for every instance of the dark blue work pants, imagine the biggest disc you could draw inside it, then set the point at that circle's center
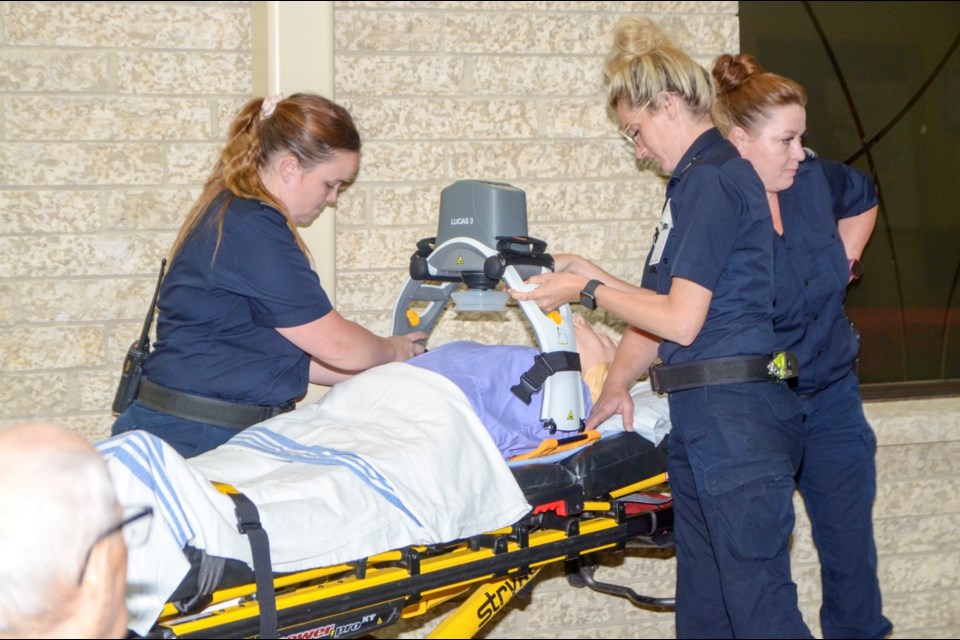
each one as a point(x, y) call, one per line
point(734, 452)
point(189, 437)
point(838, 481)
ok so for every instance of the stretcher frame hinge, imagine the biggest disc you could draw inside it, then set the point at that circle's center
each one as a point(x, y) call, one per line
point(495, 542)
point(359, 568)
point(521, 535)
point(553, 522)
point(526, 590)
point(618, 512)
point(411, 561)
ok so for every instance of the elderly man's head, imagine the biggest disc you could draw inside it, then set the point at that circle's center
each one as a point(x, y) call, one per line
point(60, 576)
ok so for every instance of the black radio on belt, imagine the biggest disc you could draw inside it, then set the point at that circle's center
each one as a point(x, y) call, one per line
point(133, 363)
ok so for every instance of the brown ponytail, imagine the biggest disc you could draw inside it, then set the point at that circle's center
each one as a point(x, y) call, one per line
point(309, 126)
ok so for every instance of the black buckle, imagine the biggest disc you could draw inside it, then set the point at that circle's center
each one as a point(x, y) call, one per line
point(544, 365)
point(243, 526)
point(655, 378)
point(524, 389)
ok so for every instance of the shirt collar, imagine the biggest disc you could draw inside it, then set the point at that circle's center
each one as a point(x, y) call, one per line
point(706, 139)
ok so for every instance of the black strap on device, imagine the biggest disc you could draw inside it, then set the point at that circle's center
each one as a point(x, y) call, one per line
point(133, 363)
point(144, 341)
point(544, 366)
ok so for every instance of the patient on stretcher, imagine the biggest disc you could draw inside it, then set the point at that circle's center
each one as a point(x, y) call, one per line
point(485, 374)
point(355, 474)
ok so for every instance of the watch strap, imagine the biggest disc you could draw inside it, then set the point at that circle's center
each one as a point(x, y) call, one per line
point(588, 297)
point(856, 268)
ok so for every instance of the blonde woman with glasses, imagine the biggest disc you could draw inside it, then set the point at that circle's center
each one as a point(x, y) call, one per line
point(705, 306)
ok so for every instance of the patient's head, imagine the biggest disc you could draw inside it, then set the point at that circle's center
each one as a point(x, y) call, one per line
point(594, 347)
point(60, 576)
point(596, 353)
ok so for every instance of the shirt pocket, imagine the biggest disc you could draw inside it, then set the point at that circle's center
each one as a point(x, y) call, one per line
point(822, 263)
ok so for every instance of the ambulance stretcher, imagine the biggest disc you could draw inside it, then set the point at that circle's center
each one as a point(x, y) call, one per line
point(598, 500)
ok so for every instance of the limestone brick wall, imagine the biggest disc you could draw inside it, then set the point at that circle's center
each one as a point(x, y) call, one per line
point(110, 116)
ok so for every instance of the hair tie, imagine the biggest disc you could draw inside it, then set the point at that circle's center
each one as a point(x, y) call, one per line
point(269, 105)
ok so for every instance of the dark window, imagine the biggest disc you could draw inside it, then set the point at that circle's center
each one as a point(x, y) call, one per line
point(884, 95)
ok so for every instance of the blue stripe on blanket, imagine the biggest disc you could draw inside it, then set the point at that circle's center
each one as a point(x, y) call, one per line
point(271, 442)
point(141, 453)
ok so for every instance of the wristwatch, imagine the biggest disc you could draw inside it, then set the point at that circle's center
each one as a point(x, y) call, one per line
point(856, 268)
point(588, 297)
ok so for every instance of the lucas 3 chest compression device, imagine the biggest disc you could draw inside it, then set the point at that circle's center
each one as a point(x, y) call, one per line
point(482, 240)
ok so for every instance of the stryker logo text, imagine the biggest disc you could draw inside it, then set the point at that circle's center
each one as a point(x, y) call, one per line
point(495, 599)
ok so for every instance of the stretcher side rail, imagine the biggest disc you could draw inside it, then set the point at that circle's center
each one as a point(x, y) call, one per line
point(388, 590)
point(357, 598)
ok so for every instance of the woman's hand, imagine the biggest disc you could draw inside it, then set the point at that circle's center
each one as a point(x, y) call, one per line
point(408, 345)
point(613, 399)
point(343, 345)
point(552, 290)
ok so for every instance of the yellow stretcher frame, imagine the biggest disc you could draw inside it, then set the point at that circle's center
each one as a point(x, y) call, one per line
point(354, 599)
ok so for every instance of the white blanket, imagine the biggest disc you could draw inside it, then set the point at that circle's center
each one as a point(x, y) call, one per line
point(355, 474)
point(651, 415)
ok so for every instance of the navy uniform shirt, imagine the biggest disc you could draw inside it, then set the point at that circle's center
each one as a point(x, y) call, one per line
point(812, 269)
point(720, 237)
point(216, 328)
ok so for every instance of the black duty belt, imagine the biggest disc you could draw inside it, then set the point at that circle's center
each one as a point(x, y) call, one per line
point(203, 409)
point(678, 377)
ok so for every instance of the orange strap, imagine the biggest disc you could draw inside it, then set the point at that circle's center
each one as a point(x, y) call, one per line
point(553, 445)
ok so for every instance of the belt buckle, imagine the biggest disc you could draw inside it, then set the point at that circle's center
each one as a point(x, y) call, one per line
point(655, 378)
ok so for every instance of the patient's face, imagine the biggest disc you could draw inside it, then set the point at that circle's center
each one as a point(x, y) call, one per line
point(594, 347)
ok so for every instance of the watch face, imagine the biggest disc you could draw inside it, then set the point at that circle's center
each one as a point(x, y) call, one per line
point(587, 298)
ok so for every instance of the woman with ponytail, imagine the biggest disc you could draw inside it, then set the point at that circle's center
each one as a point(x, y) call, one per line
point(244, 323)
point(823, 214)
